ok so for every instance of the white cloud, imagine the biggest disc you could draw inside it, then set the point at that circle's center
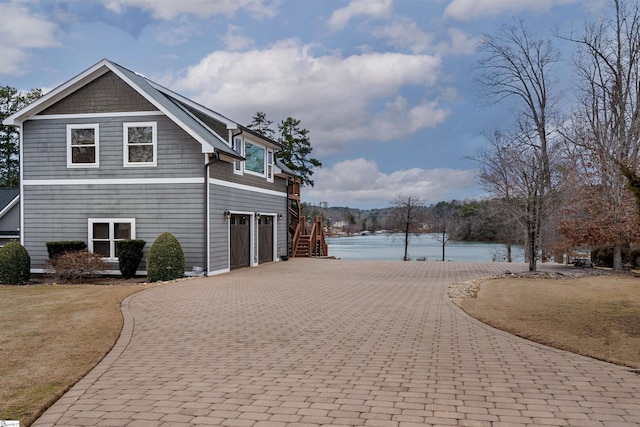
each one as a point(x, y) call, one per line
point(21, 30)
point(460, 43)
point(405, 33)
point(371, 8)
point(337, 98)
point(359, 182)
point(466, 10)
point(178, 32)
point(235, 40)
point(169, 9)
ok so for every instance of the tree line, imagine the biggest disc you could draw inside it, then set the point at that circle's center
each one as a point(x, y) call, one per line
point(566, 176)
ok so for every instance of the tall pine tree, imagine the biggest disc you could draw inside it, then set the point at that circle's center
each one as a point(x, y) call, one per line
point(11, 101)
point(296, 150)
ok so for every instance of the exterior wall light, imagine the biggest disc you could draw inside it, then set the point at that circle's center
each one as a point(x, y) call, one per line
point(227, 214)
point(257, 215)
point(280, 217)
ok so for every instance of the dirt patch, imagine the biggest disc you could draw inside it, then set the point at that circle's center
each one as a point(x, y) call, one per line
point(594, 315)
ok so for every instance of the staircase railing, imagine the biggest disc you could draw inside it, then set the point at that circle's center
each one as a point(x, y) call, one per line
point(301, 229)
point(309, 243)
point(317, 244)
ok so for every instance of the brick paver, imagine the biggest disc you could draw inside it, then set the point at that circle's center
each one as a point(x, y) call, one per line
point(327, 342)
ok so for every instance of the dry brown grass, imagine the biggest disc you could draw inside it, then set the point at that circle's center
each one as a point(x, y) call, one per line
point(50, 337)
point(595, 316)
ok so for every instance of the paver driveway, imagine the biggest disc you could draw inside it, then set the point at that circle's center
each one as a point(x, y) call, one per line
point(328, 342)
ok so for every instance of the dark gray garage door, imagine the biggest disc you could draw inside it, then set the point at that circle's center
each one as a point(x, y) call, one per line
point(265, 239)
point(239, 241)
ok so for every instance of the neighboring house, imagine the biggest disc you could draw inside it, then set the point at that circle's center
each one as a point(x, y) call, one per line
point(9, 215)
point(111, 155)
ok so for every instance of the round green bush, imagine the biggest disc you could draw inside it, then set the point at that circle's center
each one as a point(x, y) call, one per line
point(165, 260)
point(15, 264)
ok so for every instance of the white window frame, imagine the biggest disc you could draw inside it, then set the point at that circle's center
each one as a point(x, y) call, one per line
point(238, 146)
point(125, 144)
point(96, 134)
point(264, 160)
point(269, 161)
point(112, 240)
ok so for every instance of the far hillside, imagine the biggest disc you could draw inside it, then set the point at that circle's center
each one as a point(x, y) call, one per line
point(467, 220)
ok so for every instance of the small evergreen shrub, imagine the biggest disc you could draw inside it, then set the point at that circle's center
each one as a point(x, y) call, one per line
point(129, 256)
point(15, 264)
point(77, 266)
point(56, 249)
point(165, 260)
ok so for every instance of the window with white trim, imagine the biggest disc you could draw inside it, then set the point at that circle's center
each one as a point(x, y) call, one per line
point(140, 144)
point(269, 165)
point(238, 147)
point(83, 146)
point(105, 232)
point(255, 158)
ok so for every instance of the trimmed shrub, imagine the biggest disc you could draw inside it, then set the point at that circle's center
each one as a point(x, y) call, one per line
point(129, 256)
point(165, 260)
point(55, 249)
point(15, 264)
point(77, 266)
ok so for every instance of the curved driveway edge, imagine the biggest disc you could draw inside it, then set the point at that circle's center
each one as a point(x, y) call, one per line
point(326, 342)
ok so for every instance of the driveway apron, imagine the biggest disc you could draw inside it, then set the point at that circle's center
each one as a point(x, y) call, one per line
point(313, 342)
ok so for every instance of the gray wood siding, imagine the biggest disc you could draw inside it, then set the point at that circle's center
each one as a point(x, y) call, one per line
point(45, 150)
point(62, 213)
point(106, 94)
point(230, 199)
point(224, 171)
point(10, 221)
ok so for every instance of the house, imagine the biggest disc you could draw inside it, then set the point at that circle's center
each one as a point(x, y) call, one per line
point(111, 155)
point(9, 215)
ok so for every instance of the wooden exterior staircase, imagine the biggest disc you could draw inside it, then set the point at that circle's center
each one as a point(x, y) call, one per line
point(305, 242)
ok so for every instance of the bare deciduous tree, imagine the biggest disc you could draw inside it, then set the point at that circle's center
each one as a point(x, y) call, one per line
point(519, 66)
point(606, 126)
point(407, 216)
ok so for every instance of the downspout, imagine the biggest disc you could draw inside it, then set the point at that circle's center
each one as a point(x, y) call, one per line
point(213, 159)
point(286, 215)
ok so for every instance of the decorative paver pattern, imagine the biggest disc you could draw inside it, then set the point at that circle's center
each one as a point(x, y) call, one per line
point(327, 342)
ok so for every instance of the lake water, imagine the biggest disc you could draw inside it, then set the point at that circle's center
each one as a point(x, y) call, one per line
point(381, 246)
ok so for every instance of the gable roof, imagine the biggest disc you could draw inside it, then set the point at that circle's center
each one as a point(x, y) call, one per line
point(165, 100)
point(9, 197)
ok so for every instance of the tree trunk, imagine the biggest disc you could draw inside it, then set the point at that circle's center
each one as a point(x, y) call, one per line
point(509, 259)
point(406, 244)
point(444, 242)
point(617, 258)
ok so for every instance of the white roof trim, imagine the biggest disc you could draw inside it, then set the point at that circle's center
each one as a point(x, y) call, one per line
point(11, 204)
point(85, 77)
point(228, 122)
point(206, 147)
point(58, 93)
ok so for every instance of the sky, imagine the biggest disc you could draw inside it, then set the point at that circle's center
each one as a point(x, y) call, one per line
point(387, 88)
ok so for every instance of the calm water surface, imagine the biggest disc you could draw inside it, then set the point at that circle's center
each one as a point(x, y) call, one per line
point(382, 246)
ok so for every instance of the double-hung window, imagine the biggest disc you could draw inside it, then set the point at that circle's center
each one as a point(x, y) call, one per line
point(83, 146)
point(140, 144)
point(269, 165)
point(238, 147)
point(105, 232)
point(255, 155)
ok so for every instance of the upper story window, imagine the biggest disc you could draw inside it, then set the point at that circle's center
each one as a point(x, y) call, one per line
point(140, 144)
point(269, 165)
point(83, 146)
point(105, 232)
point(255, 156)
point(238, 147)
